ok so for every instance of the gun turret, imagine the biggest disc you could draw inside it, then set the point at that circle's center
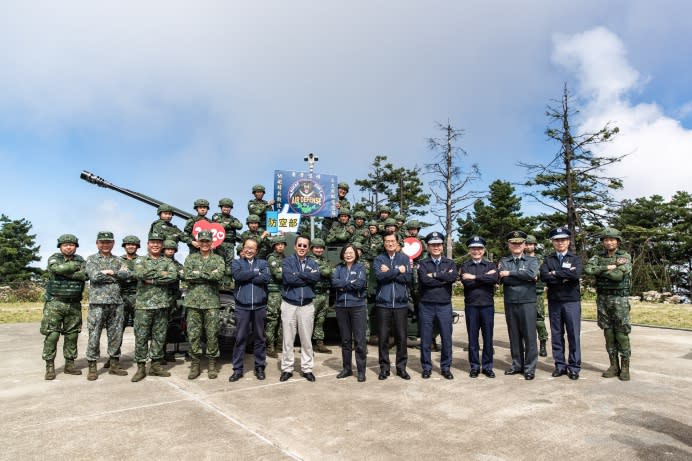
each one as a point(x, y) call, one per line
point(99, 181)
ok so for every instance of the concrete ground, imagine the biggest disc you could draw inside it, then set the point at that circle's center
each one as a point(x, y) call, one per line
point(649, 417)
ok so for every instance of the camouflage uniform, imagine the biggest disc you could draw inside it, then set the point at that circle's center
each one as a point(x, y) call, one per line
point(231, 225)
point(321, 299)
point(189, 227)
point(340, 234)
point(272, 325)
point(203, 275)
point(105, 304)
point(612, 291)
point(151, 307)
point(62, 312)
point(259, 207)
point(175, 315)
point(168, 230)
point(360, 232)
point(128, 291)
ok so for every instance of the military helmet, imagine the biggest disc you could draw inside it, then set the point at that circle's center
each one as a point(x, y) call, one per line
point(278, 239)
point(258, 188)
point(346, 211)
point(531, 239)
point(164, 207)
point(360, 215)
point(343, 185)
point(612, 233)
point(131, 239)
point(384, 208)
point(390, 222)
point(200, 202)
point(373, 223)
point(68, 238)
point(413, 224)
point(252, 218)
point(400, 217)
point(317, 242)
point(170, 244)
point(226, 202)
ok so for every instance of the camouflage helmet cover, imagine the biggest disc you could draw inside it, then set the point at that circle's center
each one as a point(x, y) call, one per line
point(612, 233)
point(131, 239)
point(343, 185)
point(252, 218)
point(200, 202)
point(317, 242)
point(68, 238)
point(278, 239)
point(258, 188)
point(170, 245)
point(531, 239)
point(164, 207)
point(359, 215)
point(226, 202)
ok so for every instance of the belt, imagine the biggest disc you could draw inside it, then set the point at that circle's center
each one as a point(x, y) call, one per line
point(297, 303)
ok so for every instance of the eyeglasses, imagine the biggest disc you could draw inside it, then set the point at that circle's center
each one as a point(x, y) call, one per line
point(301, 245)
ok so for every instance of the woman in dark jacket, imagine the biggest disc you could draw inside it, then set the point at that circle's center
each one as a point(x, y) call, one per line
point(350, 279)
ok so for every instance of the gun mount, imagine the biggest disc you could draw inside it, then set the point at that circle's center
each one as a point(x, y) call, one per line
point(99, 181)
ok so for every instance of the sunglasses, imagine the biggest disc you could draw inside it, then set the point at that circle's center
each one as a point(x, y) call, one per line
point(301, 245)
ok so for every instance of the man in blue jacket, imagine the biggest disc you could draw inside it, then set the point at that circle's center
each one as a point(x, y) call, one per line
point(300, 274)
point(251, 277)
point(561, 271)
point(393, 275)
point(436, 274)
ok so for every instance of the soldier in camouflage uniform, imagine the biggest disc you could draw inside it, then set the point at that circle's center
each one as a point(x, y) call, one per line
point(383, 214)
point(341, 231)
point(203, 273)
point(341, 204)
point(255, 232)
point(128, 286)
point(530, 250)
point(155, 274)
point(202, 208)
point(62, 312)
point(164, 227)
point(175, 315)
point(373, 245)
point(258, 206)
point(231, 225)
point(360, 229)
point(321, 299)
point(105, 272)
point(612, 269)
point(272, 325)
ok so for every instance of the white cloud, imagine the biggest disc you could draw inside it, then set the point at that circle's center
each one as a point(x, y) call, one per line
point(657, 143)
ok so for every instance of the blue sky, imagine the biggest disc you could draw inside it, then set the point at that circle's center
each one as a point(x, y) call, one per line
point(181, 100)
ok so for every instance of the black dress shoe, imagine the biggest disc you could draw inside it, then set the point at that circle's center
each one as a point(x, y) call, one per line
point(235, 376)
point(573, 375)
point(557, 373)
point(344, 373)
point(259, 373)
point(384, 373)
point(403, 374)
point(285, 376)
point(361, 376)
point(426, 374)
point(446, 374)
point(473, 373)
point(512, 371)
point(309, 376)
point(529, 376)
point(489, 373)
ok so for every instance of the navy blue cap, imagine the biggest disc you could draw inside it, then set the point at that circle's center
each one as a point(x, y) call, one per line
point(560, 233)
point(475, 242)
point(435, 237)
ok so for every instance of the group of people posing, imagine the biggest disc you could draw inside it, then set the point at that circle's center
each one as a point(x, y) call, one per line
point(279, 296)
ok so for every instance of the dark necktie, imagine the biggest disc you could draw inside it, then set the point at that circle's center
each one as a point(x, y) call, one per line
point(559, 258)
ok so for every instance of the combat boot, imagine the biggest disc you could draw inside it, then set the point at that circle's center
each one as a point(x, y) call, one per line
point(92, 376)
point(141, 372)
point(625, 369)
point(614, 369)
point(212, 372)
point(320, 347)
point(115, 367)
point(50, 370)
point(271, 351)
point(156, 370)
point(194, 369)
point(542, 352)
point(70, 368)
point(107, 364)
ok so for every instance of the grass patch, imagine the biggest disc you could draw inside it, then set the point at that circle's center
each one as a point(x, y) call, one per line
point(27, 312)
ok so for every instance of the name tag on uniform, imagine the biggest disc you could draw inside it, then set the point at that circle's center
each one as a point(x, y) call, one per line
point(566, 265)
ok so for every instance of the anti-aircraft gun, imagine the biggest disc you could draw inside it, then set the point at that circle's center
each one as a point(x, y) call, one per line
point(227, 317)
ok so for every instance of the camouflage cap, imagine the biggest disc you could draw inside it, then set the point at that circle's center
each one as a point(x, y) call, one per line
point(68, 238)
point(384, 208)
point(343, 185)
point(226, 202)
point(258, 188)
point(413, 224)
point(317, 242)
point(170, 245)
point(252, 218)
point(105, 236)
point(372, 223)
point(611, 232)
point(360, 215)
point(400, 217)
point(531, 239)
point(164, 207)
point(205, 236)
point(156, 236)
point(131, 239)
point(200, 202)
point(278, 239)
point(345, 211)
point(390, 222)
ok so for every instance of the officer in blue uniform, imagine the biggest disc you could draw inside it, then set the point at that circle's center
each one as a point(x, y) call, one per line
point(561, 271)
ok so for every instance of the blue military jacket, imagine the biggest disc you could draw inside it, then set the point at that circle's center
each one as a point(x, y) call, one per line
point(562, 279)
point(479, 292)
point(436, 281)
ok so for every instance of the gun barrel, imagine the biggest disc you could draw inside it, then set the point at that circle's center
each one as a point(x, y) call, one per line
point(99, 181)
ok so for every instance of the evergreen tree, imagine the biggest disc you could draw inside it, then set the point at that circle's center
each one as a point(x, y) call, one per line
point(18, 249)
